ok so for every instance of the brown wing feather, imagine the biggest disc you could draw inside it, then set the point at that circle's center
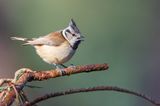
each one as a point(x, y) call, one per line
point(56, 37)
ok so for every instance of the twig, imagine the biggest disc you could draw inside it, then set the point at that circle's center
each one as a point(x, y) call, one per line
point(25, 75)
point(91, 89)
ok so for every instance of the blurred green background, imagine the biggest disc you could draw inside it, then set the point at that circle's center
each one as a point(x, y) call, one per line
point(123, 33)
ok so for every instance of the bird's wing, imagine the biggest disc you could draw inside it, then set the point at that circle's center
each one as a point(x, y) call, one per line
point(52, 39)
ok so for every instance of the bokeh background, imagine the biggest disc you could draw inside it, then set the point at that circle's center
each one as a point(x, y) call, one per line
point(123, 33)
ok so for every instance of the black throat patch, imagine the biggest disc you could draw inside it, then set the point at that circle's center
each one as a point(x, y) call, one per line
point(75, 46)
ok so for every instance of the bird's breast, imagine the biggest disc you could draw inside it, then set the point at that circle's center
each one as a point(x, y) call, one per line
point(55, 54)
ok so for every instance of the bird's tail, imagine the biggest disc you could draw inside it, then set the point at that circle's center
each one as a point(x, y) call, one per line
point(26, 40)
point(19, 38)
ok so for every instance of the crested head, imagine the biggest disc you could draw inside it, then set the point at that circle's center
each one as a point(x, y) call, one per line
point(72, 34)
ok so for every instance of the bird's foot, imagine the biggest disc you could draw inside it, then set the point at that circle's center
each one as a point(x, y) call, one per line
point(71, 66)
point(60, 70)
point(64, 66)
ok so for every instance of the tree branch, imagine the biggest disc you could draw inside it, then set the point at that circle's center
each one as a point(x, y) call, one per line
point(25, 75)
point(91, 89)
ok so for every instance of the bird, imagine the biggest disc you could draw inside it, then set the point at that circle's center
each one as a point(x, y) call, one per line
point(56, 47)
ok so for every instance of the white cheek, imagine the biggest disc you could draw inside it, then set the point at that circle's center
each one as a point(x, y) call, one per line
point(69, 37)
point(72, 41)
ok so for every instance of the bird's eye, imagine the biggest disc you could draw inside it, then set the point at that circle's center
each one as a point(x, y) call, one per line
point(73, 34)
point(68, 31)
